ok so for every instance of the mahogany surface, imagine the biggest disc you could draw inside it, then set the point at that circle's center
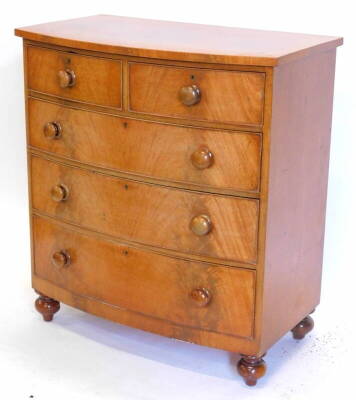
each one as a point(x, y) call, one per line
point(251, 368)
point(303, 327)
point(147, 283)
point(148, 214)
point(97, 81)
point(149, 149)
point(178, 181)
point(179, 41)
point(226, 96)
point(298, 171)
point(46, 306)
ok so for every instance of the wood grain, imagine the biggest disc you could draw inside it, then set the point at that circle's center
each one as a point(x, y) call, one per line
point(47, 307)
point(151, 230)
point(148, 149)
point(145, 322)
point(97, 80)
point(146, 213)
point(226, 96)
point(179, 41)
point(298, 171)
point(146, 283)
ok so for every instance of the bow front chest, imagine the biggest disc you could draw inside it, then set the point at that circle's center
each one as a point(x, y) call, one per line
point(178, 177)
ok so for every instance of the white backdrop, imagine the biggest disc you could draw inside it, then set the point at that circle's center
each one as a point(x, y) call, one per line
point(80, 356)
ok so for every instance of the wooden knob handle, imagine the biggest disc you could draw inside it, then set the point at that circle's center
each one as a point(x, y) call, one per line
point(201, 297)
point(59, 193)
point(52, 130)
point(201, 225)
point(61, 259)
point(190, 95)
point(202, 158)
point(66, 78)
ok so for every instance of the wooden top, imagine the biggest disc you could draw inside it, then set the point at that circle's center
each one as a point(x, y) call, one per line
point(178, 41)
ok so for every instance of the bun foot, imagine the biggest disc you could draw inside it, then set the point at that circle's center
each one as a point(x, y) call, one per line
point(251, 368)
point(304, 327)
point(46, 306)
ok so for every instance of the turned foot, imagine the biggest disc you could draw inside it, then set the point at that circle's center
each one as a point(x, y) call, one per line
point(46, 306)
point(304, 327)
point(251, 368)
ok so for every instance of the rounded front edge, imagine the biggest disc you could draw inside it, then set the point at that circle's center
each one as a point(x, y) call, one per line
point(161, 327)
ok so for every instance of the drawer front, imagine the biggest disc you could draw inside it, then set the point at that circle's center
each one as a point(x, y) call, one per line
point(82, 78)
point(203, 224)
point(203, 157)
point(186, 293)
point(200, 94)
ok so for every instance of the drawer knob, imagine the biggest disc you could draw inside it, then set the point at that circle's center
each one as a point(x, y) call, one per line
point(66, 78)
point(61, 259)
point(202, 158)
point(59, 193)
point(52, 130)
point(201, 225)
point(190, 95)
point(201, 297)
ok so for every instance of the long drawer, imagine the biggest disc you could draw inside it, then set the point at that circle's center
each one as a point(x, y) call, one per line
point(186, 293)
point(208, 158)
point(75, 77)
point(217, 226)
point(195, 93)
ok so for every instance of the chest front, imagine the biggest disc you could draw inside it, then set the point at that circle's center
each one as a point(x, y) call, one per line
point(178, 192)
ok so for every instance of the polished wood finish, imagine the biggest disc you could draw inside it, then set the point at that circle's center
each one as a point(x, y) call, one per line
point(96, 81)
point(66, 78)
point(59, 193)
point(251, 368)
point(145, 322)
point(305, 326)
point(140, 281)
point(133, 211)
point(61, 259)
point(178, 185)
point(46, 306)
point(297, 188)
point(226, 96)
point(190, 95)
point(52, 130)
point(148, 149)
point(179, 41)
point(202, 158)
point(201, 296)
point(201, 225)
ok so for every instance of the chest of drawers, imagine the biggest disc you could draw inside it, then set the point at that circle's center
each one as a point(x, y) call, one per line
point(178, 177)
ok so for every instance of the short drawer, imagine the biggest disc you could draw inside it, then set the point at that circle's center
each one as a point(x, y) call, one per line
point(208, 158)
point(76, 77)
point(204, 296)
point(199, 94)
point(189, 222)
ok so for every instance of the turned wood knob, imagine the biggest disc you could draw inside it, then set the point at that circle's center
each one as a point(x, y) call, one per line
point(305, 326)
point(202, 158)
point(201, 225)
point(59, 193)
point(52, 130)
point(46, 306)
point(60, 259)
point(189, 95)
point(251, 368)
point(66, 78)
point(200, 296)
